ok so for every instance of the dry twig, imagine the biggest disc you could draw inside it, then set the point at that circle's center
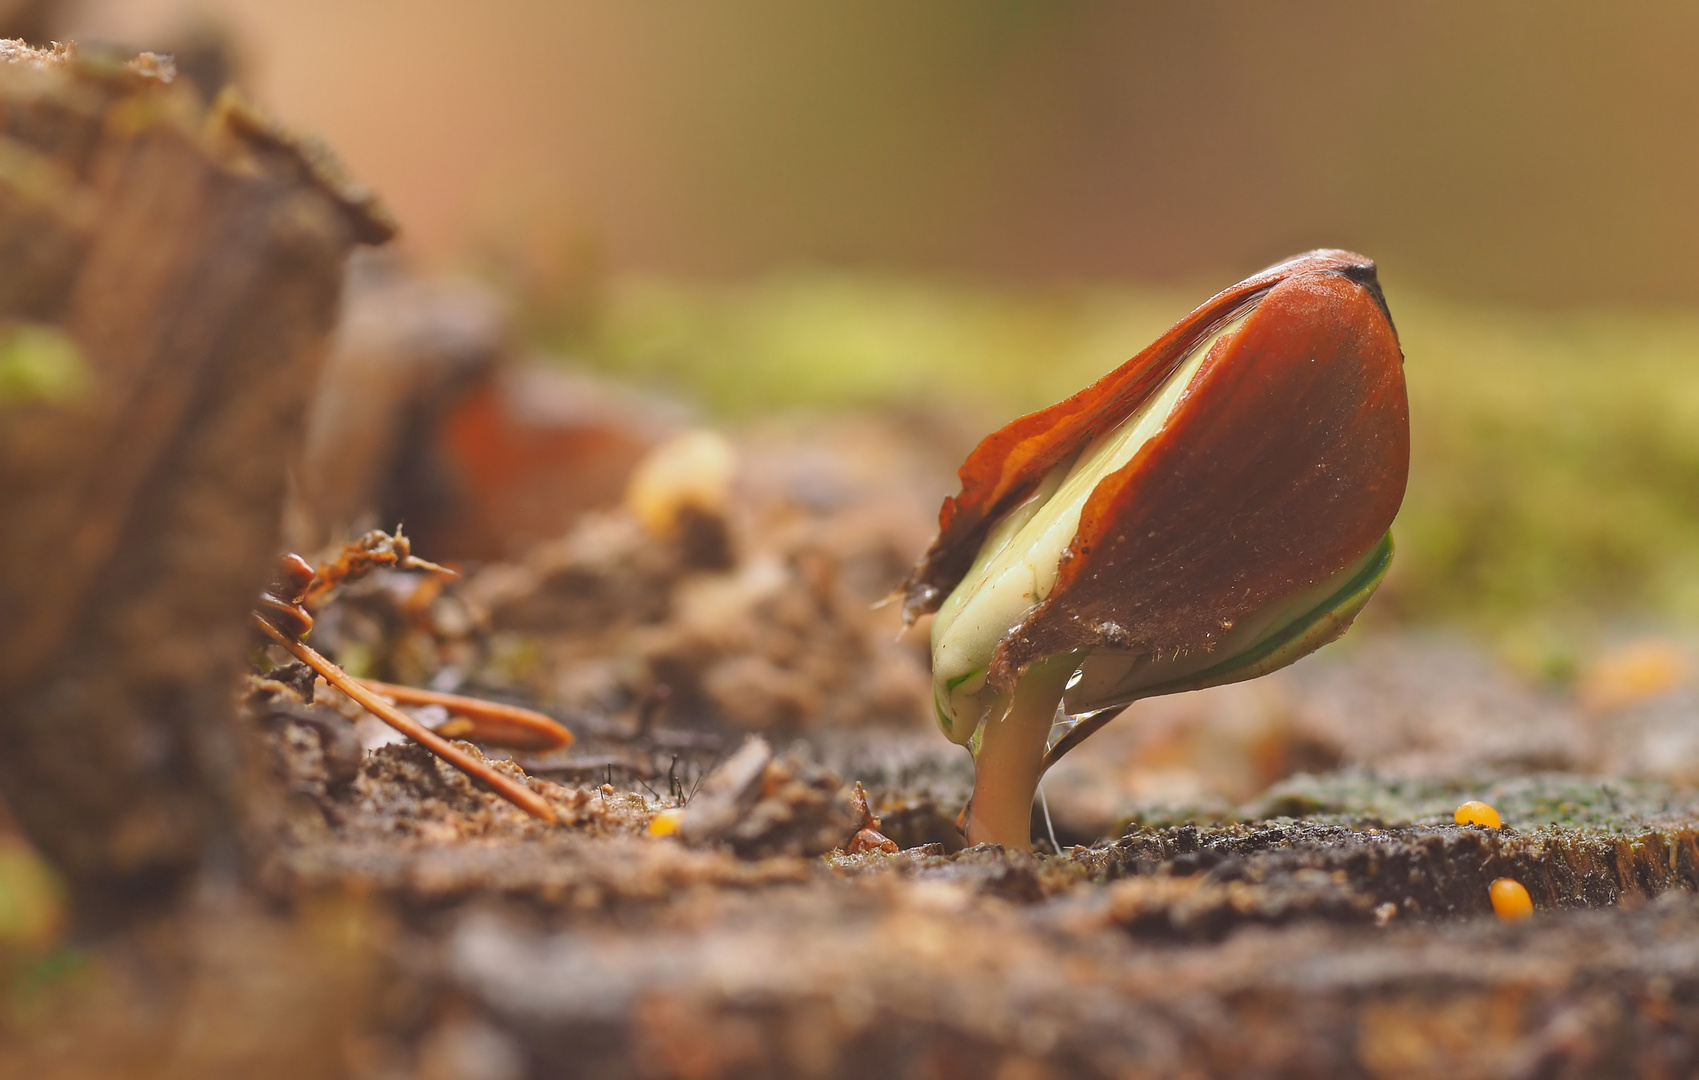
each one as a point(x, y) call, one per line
point(375, 550)
point(283, 615)
point(505, 786)
point(486, 721)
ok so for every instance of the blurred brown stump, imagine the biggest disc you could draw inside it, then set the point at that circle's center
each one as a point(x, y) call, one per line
point(168, 274)
point(430, 417)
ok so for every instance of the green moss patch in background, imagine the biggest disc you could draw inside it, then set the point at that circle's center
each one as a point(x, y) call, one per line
point(1556, 471)
point(39, 363)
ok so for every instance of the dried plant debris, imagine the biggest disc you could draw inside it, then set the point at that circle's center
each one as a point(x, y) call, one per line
point(761, 804)
point(373, 551)
point(282, 615)
point(776, 644)
point(633, 631)
point(867, 837)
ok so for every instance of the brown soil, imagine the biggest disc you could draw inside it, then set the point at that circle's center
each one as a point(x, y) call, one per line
point(410, 924)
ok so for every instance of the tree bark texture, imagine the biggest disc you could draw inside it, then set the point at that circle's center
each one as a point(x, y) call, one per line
point(192, 260)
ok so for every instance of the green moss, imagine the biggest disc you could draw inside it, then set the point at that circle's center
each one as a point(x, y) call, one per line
point(39, 363)
point(844, 340)
point(1556, 455)
point(32, 899)
point(1556, 459)
point(1359, 798)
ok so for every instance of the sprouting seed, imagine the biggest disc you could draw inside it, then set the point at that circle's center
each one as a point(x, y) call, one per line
point(1213, 509)
point(1476, 812)
point(1511, 901)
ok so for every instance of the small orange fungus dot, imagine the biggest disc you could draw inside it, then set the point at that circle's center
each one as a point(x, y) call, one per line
point(1475, 812)
point(665, 823)
point(1510, 900)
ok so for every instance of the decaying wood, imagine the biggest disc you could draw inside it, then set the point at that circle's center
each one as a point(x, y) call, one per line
point(194, 258)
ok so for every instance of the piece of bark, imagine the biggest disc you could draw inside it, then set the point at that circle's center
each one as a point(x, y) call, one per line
point(428, 417)
point(405, 350)
point(193, 258)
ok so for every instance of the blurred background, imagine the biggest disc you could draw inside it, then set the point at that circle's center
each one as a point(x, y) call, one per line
point(1484, 155)
point(754, 206)
point(956, 213)
point(1481, 155)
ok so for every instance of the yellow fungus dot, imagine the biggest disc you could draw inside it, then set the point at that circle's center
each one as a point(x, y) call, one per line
point(1510, 900)
point(1475, 812)
point(665, 823)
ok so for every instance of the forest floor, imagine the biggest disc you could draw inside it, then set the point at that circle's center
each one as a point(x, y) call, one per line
point(1258, 880)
